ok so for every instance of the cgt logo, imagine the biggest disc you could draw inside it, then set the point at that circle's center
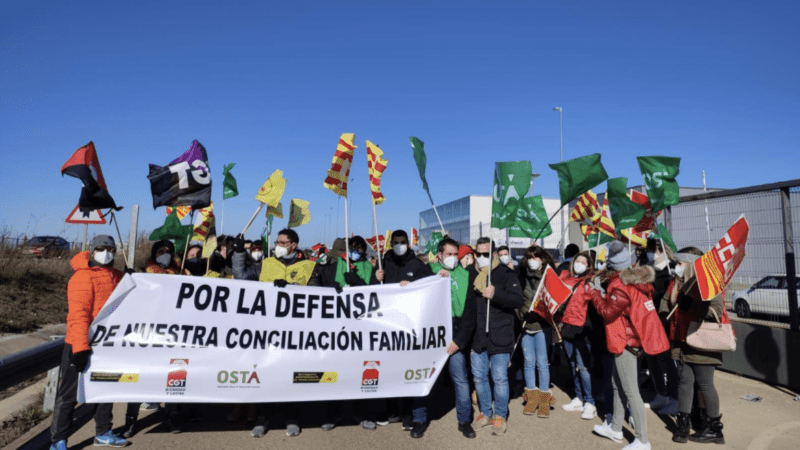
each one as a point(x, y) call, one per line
point(176, 377)
point(370, 376)
point(419, 374)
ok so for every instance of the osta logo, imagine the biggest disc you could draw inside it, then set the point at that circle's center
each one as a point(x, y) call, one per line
point(176, 378)
point(369, 378)
point(412, 375)
point(238, 378)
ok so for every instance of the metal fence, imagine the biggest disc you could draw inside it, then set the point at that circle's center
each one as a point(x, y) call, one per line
point(760, 290)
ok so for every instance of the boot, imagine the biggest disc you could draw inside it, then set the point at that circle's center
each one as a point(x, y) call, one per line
point(130, 426)
point(545, 401)
point(684, 423)
point(531, 397)
point(712, 432)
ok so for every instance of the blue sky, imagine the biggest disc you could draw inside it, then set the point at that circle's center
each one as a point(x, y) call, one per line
point(273, 84)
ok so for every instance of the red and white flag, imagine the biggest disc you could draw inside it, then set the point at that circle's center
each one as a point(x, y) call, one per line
point(551, 294)
point(716, 267)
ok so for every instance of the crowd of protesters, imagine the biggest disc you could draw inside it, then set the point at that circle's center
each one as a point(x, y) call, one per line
point(626, 311)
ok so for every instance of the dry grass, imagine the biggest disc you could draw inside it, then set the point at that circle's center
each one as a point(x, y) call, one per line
point(22, 421)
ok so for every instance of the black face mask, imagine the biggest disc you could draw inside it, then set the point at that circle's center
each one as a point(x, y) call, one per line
point(196, 266)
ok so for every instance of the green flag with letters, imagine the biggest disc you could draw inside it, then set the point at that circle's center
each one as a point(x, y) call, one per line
point(531, 221)
point(433, 243)
point(229, 188)
point(579, 175)
point(512, 180)
point(659, 174)
point(624, 212)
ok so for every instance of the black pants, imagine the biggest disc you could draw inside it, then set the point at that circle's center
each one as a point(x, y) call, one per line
point(67, 398)
point(703, 375)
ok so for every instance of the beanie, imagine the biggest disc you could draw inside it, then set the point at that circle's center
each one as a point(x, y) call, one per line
point(339, 247)
point(463, 251)
point(618, 257)
point(101, 240)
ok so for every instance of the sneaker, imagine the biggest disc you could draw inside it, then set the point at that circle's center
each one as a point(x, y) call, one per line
point(498, 426)
point(150, 406)
point(575, 405)
point(637, 445)
point(369, 425)
point(589, 411)
point(292, 429)
point(466, 429)
point(408, 423)
point(482, 421)
point(260, 429)
point(60, 445)
point(107, 439)
point(328, 426)
point(605, 430)
point(418, 430)
point(391, 419)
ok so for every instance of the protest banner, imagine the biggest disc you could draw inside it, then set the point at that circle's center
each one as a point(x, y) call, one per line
point(174, 338)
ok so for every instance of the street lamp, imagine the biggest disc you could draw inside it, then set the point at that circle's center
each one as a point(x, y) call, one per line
point(561, 131)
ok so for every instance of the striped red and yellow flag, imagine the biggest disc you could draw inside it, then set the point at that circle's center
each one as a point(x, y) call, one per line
point(339, 172)
point(182, 211)
point(376, 165)
point(206, 223)
point(603, 221)
point(587, 208)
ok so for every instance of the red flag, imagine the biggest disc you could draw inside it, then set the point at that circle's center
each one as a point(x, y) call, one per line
point(648, 222)
point(716, 267)
point(551, 294)
point(414, 237)
point(84, 165)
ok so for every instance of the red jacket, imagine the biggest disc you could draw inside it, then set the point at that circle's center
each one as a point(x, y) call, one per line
point(629, 313)
point(575, 312)
point(87, 292)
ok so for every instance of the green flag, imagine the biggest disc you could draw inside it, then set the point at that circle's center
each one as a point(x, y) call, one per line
point(419, 157)
point(624, 212)
point(665, 237)
point(512, 180)
point(531, 220)
point(596, 239)
point(579, 175)
point(172, 229)
point(433, 243)
point(659, 174)
point(229, 188)
point(266, 231)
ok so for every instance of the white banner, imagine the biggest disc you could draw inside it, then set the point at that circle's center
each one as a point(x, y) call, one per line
point(173, 338)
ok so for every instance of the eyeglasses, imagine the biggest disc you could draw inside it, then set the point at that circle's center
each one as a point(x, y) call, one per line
point(484, 254)
point(283, 243)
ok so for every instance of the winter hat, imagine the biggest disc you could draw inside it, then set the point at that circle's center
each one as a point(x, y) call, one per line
point(686, 257)
point(618, 257)
point(339, 247)
point(163, 243)
point(463, 251)
point(101, 240)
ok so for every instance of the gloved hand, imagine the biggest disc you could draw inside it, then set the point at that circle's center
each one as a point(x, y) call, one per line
point(338, 288)
point(595, 285)
point(353, 279)
point(280, 283)
point(238, 244)
point(129, 271)
point(80, 360)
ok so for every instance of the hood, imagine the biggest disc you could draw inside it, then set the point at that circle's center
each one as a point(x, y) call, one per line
point(638, 275)
point(80, 261)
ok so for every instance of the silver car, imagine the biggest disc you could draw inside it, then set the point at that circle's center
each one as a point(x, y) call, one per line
point(768, 296)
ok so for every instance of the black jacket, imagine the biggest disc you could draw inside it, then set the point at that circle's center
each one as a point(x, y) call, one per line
point(507, 298)
point(661, 284)
point(404, 268)
point(464, 326)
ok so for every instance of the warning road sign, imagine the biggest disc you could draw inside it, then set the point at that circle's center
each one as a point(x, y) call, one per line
point(76, 216)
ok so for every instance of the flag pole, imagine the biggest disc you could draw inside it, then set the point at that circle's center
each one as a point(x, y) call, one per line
point(119, 235)
point(435, 211)
point(548, 222)
point(489, 278)
point(258, 210)
point(375, 222)
point(188, 236)
point(346, 237)
point(222, 218)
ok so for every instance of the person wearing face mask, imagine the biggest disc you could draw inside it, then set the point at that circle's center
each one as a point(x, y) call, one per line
point(537, 396)
point(491, 352)
point(504, 254)
point(244, 266)
point(88, 290)
point(695, 367)
point(569, 252)
point(162, 259)
point(632, 328)
point(466, 256)
point(579, 323)
point(195, 263)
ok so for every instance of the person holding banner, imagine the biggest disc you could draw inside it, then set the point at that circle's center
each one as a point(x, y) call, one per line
point(694, 366)
point(463, 303)
point(89, 287)
point(491, 352)
point(163, 259)
point(632, 328)
point(534, 345)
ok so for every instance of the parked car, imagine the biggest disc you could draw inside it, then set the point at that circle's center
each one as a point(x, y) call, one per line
point(45, 247)
point(768, 296)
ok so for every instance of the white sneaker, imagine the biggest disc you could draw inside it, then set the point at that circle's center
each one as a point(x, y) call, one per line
point(575, 405)
point(589, 411)
point(605, 430)
point(637, 445)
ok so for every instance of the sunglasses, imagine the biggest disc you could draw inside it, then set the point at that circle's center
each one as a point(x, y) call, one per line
point(484, 254)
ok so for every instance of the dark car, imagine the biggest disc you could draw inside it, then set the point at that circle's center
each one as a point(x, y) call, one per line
point(45, 247)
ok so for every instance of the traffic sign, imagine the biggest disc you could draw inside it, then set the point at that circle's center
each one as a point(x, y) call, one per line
point(76, 216)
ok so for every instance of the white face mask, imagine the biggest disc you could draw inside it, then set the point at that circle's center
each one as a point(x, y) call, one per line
point(400, 249)
point(281, 252)
point(450, 262)
point(504, 260)
point(579, 268)
point(679, 270)
point(103, 257)
point(164, 260)
point(534, 264)
point(483, 261)
point(257, 255)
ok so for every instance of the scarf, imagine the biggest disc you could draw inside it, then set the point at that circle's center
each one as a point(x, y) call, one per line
point(363, 270)
point(459, 277)
point(483, 276)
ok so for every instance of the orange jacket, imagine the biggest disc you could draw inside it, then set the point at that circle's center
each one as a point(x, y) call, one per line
point(87, 292)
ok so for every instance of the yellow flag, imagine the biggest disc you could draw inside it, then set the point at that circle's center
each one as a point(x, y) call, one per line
point(339, 172)
point(376, 165)
point(388, 241)
point(272, 190)
point(206, 224)
point(299, 213)
point(276, 211)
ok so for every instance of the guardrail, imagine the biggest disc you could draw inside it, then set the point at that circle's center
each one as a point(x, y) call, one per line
point(18, 367)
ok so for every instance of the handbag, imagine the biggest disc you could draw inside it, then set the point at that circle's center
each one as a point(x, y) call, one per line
point(711, 336)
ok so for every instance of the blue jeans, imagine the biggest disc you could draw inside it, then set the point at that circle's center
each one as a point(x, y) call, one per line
point(534, 349)
point(458, 372)
point(578, 352)
point(482, 363)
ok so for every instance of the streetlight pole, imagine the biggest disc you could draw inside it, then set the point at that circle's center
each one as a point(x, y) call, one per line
point(561, 132)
